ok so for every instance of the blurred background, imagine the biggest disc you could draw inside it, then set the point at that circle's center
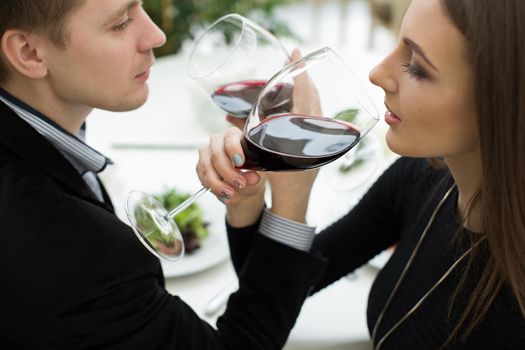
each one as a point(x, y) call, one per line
point(302, 20)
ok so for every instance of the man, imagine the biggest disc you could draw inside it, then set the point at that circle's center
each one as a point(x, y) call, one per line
point(73, 275)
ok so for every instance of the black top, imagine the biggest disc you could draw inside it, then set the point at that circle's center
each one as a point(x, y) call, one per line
point(395, 211)
point(73, 276)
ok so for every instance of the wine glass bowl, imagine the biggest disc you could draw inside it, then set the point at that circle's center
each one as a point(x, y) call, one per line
point(232, 60)
point(309, 114)
point(153, 226)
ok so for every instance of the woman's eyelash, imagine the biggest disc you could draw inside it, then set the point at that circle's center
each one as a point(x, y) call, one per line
point(413, 71)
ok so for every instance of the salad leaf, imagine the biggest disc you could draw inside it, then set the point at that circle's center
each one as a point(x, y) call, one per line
point(189, 220)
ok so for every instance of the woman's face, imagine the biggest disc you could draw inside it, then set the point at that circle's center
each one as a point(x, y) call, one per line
point(429, 87)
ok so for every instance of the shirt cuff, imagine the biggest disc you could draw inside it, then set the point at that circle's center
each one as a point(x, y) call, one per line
point(291, 233)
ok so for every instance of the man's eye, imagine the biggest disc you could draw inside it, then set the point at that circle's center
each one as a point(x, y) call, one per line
point(123, 25)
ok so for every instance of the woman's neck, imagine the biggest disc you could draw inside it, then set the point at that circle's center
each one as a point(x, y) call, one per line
point(466, 171)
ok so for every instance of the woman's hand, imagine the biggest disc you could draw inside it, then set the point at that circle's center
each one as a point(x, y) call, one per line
point(306, 99)
point(241, 191)
point(291, 190)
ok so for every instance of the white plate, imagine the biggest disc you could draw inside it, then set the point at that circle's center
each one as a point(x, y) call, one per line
point(214, 250)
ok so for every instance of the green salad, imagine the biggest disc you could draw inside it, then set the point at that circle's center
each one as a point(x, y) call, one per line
point(190, 221)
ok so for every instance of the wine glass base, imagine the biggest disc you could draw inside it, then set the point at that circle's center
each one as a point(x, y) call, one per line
point(149, 220)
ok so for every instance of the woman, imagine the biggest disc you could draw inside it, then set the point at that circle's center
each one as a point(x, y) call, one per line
point(455, 93)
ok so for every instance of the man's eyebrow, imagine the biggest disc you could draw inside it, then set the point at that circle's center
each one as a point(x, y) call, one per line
point(122, 10)
point(416, 48)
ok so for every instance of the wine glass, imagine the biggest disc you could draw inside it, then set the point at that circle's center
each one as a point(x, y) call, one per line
point(155, 226)
point(232, 60)
point(327, 112)
point(307, 115)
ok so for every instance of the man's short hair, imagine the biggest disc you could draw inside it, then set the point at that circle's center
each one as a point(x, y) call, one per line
point(47, 17)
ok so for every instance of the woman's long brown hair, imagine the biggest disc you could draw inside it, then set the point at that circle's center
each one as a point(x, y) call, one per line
point(495, 36)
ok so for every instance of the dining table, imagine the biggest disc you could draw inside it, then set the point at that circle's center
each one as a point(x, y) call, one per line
point(155, 148)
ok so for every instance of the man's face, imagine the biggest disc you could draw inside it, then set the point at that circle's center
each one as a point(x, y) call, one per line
point(108, 54)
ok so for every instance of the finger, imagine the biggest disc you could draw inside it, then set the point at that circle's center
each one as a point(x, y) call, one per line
point(301, 80)
point(296, 54)
point(233, 146)
point(236, 121)
point(224, 162)
point(209, 177)
point(305, 95)
point(251, 177)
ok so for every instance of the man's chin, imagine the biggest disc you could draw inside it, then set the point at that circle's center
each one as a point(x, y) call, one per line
point(127, 105)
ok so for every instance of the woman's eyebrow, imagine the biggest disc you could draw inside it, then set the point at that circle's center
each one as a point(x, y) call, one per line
point(416, 48)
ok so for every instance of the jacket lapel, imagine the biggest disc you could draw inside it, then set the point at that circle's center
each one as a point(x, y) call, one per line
point(24, 141)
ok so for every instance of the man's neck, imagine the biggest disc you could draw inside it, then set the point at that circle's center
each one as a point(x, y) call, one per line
point(40, 98)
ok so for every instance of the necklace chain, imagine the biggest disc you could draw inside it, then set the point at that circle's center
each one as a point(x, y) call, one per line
point(404, 272)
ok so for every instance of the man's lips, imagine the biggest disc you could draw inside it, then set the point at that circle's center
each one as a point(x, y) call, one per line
point(143, 76)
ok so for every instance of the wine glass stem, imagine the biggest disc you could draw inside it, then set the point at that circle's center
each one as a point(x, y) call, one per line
point(186, 203)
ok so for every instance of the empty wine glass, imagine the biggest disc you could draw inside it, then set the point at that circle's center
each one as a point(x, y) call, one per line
point(232, 60)
point(154, 225)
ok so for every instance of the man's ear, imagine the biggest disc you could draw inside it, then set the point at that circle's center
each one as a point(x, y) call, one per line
point(23, 51)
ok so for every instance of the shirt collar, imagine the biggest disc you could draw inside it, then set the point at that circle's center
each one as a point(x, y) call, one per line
point(73, 148)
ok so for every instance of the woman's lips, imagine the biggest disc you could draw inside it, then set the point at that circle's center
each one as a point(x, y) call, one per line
point(391, 118)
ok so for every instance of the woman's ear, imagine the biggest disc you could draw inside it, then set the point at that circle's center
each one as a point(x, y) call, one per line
point(24, 52)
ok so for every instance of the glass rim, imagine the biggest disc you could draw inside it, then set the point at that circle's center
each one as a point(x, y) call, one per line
point(245, 22)
point(290, 67)
point(141, 238)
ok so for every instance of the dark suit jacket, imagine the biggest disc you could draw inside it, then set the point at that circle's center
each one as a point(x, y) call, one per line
point(73, 276)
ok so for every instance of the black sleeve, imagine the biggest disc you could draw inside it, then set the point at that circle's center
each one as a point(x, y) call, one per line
point(113, 300)
point(372, 226)
point(240, 240)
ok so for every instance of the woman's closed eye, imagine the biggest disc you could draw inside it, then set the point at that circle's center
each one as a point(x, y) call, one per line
point(414, 71)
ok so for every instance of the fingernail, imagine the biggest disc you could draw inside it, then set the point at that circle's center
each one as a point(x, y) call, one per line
point(237, 159)
point(239, 183)
point(223, 199)
point(225, 196)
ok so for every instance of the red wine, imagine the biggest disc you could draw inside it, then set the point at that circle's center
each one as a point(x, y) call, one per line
point(295, 142)
point(238, 98)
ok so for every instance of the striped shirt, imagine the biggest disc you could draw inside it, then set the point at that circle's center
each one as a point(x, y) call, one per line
point(87, 161)
point(285, 231)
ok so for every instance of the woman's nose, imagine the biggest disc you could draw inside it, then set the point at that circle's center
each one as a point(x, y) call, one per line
point(383, 76)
